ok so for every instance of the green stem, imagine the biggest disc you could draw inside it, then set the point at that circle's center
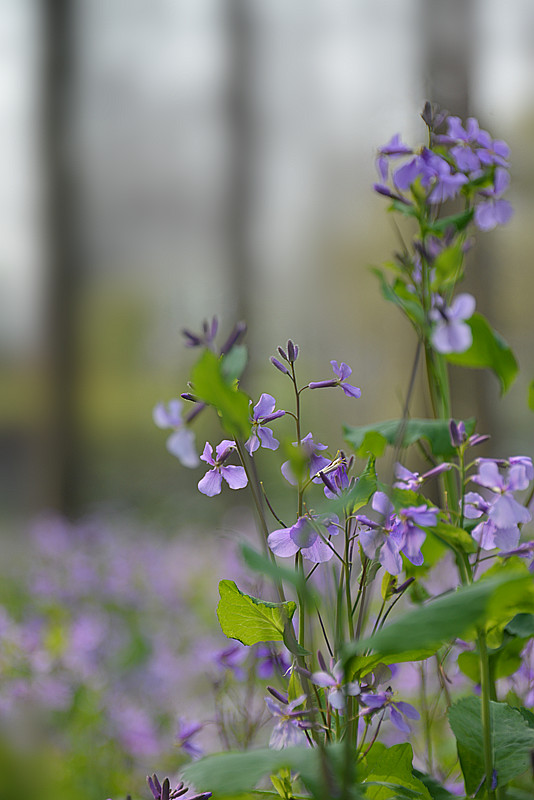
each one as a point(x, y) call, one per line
point(486, 713)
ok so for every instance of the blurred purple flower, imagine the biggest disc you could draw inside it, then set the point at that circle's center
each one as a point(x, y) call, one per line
point(494, 210)
point(181, 443)
point(451, 333)
point(162, 791)
point(263, 412)
point(211, 483)
point(393, 149)
point(270, 662)
point(187, 730)
point(307, 535)
point(398, 710)
point(334, 683)
point(289, 729)
point(232, 658)
point(310, 450)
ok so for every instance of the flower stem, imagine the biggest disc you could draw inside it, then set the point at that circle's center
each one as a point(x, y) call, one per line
point(486, 713)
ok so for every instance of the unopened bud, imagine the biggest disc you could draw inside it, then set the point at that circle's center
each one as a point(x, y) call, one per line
point(292, 351)
point(279, 365)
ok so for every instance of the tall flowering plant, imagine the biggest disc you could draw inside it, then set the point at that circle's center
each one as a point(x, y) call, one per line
point(355, 548)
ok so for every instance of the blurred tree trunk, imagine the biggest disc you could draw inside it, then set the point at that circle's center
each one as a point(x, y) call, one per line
point(448, 36)
point(58, 470)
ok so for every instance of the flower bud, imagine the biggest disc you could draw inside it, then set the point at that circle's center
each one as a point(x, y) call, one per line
point(279, 365)
point(292, 351)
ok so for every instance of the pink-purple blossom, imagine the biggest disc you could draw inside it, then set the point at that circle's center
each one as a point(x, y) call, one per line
point(181, 443)
point(234, 476)
point(309, 534)
point(451, 333)
point(398, 710)
point(263, 412)
point(343, 372)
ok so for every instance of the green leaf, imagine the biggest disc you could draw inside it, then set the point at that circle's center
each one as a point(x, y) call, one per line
point(233, 363)
point(359, 666)
point(434, 431)
point(250, 620)
point(488, 351)
point(531, 395)
point(391, 765)
point(232, 405)
point(454, 537)
point(450, 616)
point(399, 296)
point(227, 774)
point(521, 625)
point(457, 221)
point(503, 661)
point(512, 740)
point(447, 266)
point(373, 443)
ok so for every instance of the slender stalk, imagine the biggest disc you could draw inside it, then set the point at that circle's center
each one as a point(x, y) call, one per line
point(486, 714)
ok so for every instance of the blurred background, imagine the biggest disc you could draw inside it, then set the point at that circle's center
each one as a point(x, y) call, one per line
point(167, 160)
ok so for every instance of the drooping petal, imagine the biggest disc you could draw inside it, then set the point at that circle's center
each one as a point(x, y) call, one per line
point(371, 541)
point(414, 540)
point(211, 483)
point(281, 543)
point(323, 679)
point(390, 557)
point(484, 535)
point(182, 445)
point(506, 511)
point(398, 720)
point(507, 538)
point(235, 477)
point(252, 443)
point(318, 552)
point(267, 438)
point(287, 472)
point(336, 698)
point(407, 709)
point(351, 391)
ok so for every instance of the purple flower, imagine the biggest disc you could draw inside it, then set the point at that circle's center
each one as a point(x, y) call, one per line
point(204, 339)
point(181, 443)
point(494, 211)
point(435, 174)
point(232, 657)
point(393, 149)
point(398, 710)
point(465, 143)
point(343, 371)
point(211, 483)
point(308, 535)
point(451, 333)
point(396, 533)
point(334, 683)
point(270, 662)
point(504, 512)
point(262, 413)
point(336, 477)
point(413, 480)
point(186, 732)
point(310, 450)
point(289, 729)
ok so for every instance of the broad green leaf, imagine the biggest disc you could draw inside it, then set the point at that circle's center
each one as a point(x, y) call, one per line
point(391, 765)
point(531, 395)
point(250, 620)
point(231, 404)
point(434, 431)
point(233, 363)
point(488, 351)
point(503, 662)
point(359, 666)
point(512, 741)
point(516, 598)
point(373, 444)
point(447, 266)
point(521, 625)
point(450, 616)
point(455, 537)
point(232, 774)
